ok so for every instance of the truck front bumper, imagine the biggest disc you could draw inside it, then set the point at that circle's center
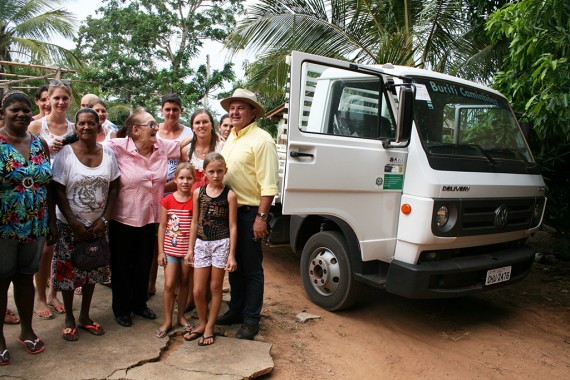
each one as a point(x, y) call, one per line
point(456, 277)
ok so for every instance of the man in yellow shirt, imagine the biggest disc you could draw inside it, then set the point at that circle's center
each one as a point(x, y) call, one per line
point(251, 156)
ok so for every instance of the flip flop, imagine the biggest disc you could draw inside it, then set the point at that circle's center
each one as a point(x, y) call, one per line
point(190, 336)
point(44, 314)
point(203, 338)
point(32, 346)
point(161, 333)
point(4, 358)
point(69, 334)
point(60, 309)
point(187, 327)
point(10, 318)
point(95, 328)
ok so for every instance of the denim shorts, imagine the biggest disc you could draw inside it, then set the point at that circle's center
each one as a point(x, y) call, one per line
point(18, 257)
point(174, 260)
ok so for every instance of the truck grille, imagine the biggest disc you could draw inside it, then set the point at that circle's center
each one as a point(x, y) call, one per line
point(486, 216)
point(479, 217)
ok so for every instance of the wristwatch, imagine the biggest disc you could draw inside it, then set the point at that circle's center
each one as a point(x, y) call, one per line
point(263, 215)
point(105, 221)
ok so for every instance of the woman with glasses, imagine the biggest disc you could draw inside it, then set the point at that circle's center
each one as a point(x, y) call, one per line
point(143, 161)
point(52, 128)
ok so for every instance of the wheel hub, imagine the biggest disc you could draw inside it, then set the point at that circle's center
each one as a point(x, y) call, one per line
point(324, 271)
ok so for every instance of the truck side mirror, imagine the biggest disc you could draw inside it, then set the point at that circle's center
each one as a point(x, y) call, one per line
point(405, 113)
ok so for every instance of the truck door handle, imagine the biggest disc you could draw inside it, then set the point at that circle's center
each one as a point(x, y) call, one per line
point(294, 153)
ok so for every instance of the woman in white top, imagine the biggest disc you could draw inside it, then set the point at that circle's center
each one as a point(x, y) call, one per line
point(86, 185)
point(105, 133)
point(52, 128)
point(171, 129)
point(205, 140)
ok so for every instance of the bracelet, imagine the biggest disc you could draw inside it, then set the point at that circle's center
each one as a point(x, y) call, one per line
point(105, 221)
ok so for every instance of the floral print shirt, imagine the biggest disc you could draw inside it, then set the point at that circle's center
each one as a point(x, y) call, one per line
point(23, 192)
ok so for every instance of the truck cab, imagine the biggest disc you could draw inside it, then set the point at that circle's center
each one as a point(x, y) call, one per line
point(402, 178)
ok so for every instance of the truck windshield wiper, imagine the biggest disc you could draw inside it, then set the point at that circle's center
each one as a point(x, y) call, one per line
point(491, 160)
point(521, 157)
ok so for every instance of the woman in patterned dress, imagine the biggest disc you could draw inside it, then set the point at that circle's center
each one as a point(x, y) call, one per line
point(86, 180)
point(26, 214)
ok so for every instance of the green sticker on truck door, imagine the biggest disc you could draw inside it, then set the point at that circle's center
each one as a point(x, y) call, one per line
point(393, 181)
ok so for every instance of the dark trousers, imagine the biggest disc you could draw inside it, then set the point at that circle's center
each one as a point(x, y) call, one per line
point(246, 283)
point(132, 251)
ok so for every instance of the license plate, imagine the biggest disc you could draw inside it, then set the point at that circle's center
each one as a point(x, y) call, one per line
point(494, 276)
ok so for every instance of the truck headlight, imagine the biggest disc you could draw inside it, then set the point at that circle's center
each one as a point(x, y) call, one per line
point(442, 216)
point(538, 212)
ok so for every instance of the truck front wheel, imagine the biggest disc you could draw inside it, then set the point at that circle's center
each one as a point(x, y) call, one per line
point(327, 272)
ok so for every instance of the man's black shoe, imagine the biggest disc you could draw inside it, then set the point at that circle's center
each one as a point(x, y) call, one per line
point(247, 331)
point(124, 320)
point(146, 313)
point(229, 318)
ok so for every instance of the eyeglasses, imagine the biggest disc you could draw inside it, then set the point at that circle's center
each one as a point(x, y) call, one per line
point(150, 124)
point(59, 83)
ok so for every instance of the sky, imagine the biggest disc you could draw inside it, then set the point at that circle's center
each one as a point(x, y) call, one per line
point(218, 55)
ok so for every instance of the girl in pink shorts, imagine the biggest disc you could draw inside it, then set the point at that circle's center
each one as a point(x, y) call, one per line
point(212, 245)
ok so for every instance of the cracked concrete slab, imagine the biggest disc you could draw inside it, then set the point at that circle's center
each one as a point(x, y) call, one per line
point(132, 352)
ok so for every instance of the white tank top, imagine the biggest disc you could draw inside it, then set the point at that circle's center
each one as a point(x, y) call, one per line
point(49, 137)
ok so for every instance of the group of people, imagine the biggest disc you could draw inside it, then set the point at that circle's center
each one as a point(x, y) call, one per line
point(189, 199)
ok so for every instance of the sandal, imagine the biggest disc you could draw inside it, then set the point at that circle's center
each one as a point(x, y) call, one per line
point(187, 327)
point(69, 334)
point(161, 333)
point(32, 346)
point(4, 357)
point(44, 314)
point(10, 318)
point(94, 328)
point(203, 339)
point(190, 336)
point(60, 309)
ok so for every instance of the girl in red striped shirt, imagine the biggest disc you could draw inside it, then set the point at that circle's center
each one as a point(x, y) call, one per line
point(173, 238)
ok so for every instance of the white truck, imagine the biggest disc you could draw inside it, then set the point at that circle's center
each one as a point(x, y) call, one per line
point(405, 179)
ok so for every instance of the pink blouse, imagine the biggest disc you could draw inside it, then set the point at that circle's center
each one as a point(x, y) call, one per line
point(142, 180)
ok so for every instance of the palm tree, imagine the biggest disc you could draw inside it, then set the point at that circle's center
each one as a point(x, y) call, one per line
point(26, 26)
point(436, 34)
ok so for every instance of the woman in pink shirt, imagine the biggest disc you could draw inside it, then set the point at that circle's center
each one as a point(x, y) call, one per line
point(142, 160)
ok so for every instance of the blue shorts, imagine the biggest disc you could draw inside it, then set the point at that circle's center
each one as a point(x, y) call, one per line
point(174, 260)
point(18, 257)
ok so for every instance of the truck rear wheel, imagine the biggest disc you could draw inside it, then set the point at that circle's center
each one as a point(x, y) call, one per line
point(327, 272)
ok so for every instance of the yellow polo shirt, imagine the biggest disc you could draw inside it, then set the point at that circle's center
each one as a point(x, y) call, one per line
point(252, 163)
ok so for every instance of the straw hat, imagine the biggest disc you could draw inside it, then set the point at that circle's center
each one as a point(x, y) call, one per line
point(244, 96)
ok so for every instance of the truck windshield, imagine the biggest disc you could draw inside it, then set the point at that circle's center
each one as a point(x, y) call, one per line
point(467, 129)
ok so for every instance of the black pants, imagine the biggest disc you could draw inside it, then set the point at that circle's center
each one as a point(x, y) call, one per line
point(246, 283)
point(132, 250)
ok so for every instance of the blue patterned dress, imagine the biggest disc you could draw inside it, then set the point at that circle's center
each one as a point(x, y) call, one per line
point(23, 192)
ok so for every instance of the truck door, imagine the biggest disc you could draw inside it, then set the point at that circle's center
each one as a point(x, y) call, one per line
point(336, 164)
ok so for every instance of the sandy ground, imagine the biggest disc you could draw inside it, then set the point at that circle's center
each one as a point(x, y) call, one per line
point(518, 332)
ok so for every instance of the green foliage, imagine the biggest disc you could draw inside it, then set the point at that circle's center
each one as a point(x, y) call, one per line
point(26, 28)
point(144, 49)
point(536, 77)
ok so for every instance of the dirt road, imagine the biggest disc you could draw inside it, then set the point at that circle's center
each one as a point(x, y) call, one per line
point(519, 332)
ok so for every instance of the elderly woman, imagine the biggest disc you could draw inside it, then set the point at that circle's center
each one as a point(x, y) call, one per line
point(27, 214)
point(86, 181)
point(142, 160)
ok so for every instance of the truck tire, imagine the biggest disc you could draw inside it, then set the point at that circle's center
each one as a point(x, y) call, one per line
point(327, 272)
